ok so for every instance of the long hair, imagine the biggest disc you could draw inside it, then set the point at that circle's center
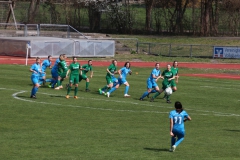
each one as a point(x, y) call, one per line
point(127, 63)
point(174, 63)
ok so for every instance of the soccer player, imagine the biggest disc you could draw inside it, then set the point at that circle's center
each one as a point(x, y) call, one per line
point(85, 69)
point(174, 69)
point(74, 77)
point(177, 130)
point(45, 64)
point(167, 77)
point(62, 71)
point(152, 85)
point(123, 72)
point(36, 71)
point(111, 70)
point(54, 72)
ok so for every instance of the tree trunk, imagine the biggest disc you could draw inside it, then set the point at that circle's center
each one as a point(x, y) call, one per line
point(32, 11)
point(149, 5)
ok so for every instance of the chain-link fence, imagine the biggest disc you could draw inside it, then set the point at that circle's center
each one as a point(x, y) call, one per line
point(175, 50)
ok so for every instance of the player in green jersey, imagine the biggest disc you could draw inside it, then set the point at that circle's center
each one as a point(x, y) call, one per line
point(74, 77)
point(111, 70)
point(174, 69)
point(62, 71)
point(83, 76)
point(167, 77)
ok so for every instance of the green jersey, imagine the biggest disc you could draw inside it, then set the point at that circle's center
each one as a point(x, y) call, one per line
point(174, 70)
point(74, 68)
point(86, 68)
point(62, 67)
point(167, 74)
point(112, 68)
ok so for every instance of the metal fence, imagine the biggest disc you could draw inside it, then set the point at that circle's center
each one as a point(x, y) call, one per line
point(175, 50)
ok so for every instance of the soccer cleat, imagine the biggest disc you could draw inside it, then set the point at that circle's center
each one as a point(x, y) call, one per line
point(75, 97)
point(57, 88)
point(168, 101)
point(60, 87)
point(67, 96)
point(152, 99)
point(140, 99)
point(33, 96)
point(126, 95)
point(108, 94)
point(100, 91)
point(172, 149)
point(87, 90)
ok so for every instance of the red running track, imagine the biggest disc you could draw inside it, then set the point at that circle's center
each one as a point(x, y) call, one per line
point(227, 66)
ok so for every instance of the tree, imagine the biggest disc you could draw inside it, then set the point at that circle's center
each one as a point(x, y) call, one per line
point(33, 9)
point(149, 6)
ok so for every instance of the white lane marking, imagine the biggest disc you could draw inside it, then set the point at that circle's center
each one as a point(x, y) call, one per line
point(118, 110)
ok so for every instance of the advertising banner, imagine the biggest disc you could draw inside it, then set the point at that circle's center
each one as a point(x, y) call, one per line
point(226, 52)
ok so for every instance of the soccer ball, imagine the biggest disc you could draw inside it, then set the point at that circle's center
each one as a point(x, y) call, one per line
point(168, 91)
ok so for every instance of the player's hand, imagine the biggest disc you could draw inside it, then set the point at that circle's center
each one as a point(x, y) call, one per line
point(130, 72)
point(171, 134)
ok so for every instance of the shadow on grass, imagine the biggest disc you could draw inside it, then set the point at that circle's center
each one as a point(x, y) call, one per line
point(157, 149)
point(232, 130)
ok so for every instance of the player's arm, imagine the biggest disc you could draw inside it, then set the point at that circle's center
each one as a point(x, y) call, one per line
point(120, 73)
point(171, 127)
point(187, 119)
point(32, 70)
point(91, 74)
point(110, 72)
point(80, 70)
point(177, 76)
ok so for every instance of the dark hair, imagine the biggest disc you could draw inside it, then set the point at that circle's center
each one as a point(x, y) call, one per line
point(174, 62)
point(126, 64)
point(89, 60)
point(49, 56)
point(157, 64)
point(113, 61)
point(178, 106)
point(74, 57)
point(38, 58)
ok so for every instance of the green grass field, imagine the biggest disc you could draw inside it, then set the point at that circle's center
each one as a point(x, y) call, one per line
point(97, 127)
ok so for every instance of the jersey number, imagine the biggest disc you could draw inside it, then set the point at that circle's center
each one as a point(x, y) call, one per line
point(178, 120)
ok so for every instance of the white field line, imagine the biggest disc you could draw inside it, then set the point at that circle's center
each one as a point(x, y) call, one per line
point(204, 112)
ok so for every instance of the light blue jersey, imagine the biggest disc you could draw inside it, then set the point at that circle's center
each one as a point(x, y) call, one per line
point(155, 72)
point(35, 75)
point(151, 82)
point(54, 70)
point(55, 67)
point(124, 73)
point(178, 120)
point(45, 64)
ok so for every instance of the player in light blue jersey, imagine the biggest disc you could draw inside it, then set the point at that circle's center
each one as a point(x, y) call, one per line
point(45, 64)
point(54, 72)
point(123, 72)
point(152, 85)
point(36, 70)
point(177, 130)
